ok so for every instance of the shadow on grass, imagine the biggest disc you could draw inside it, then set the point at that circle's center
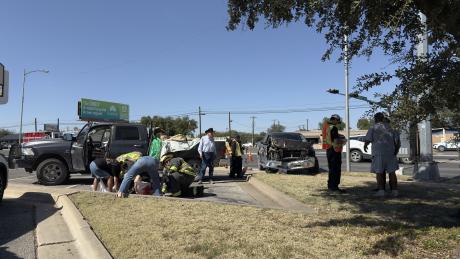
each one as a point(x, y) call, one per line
point(417, 210)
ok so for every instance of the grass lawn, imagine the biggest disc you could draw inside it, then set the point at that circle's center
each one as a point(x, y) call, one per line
point(353, 225)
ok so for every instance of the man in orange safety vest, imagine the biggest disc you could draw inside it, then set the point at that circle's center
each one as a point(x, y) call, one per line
point(333, 143)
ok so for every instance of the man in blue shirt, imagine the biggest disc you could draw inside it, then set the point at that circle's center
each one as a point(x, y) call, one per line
point(207, 151)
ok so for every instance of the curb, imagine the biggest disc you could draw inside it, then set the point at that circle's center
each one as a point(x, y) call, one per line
point(91, 246)
point(283, 200)
point(86, 241)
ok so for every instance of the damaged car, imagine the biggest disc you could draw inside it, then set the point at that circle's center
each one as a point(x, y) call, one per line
point(287, 152)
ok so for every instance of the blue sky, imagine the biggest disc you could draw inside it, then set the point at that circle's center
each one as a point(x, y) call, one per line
point(166, 58)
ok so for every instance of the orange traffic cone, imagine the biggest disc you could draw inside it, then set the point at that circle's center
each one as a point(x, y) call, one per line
point(250, 157)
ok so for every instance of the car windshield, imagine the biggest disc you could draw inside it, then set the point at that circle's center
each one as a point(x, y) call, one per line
point(290, 136)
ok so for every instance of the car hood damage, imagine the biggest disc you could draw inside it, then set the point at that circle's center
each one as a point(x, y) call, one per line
point(289, 144)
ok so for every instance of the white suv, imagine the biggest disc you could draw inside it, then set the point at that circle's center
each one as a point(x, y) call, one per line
point(357, 153)
point(447, 145)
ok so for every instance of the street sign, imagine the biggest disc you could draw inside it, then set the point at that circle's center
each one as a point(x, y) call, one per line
point(94, 110)
point(4, 85)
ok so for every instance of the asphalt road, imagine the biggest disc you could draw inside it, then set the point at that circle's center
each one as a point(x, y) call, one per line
point(449, 167)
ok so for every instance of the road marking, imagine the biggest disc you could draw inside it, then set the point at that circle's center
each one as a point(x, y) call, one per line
point(72, 186)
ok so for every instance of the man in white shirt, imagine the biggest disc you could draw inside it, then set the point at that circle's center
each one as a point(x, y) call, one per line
point(208, 153)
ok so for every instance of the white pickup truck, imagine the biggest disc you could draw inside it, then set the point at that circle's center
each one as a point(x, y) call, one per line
point(357, 153)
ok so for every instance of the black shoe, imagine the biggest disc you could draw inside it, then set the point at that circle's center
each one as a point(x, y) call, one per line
point(337, 190)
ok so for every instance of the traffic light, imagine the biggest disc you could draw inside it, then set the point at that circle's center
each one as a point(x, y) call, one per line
point(333, 91)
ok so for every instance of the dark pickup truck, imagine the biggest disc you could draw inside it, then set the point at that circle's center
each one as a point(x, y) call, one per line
point(55, 159)
point(287, 152)
point(3, 176)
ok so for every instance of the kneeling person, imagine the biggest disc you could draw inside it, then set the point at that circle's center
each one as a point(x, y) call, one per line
point(101, 169)
point(178, 175)
point(135, 164)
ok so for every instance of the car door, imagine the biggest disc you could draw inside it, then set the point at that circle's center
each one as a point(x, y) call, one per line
point(78, 150)
point(128, 138)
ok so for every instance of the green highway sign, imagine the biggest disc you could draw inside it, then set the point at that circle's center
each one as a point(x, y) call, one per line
point(93, 110)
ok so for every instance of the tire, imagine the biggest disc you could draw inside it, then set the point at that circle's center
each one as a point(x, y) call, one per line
point(441, 148)
point(271, 171)
point(356, 156)
point(406, 160)
point(52, 172)
point(315, 169)
point(2, 185)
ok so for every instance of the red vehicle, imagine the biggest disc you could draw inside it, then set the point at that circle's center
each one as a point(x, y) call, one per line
point(31, 136)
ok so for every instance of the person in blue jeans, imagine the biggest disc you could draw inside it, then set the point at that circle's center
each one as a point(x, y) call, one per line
point(100, 170)
point(144, 164)
point(207, 151)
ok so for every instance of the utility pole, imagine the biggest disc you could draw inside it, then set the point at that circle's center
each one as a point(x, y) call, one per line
point(307, 124)
point(347, 103)
point(229, 125)
point(425, 168)
point(58, 125)
point(35, 124)
point(253, 125)
point(199, 119)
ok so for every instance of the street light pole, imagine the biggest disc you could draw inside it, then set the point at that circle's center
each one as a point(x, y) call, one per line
point(425, 168)
point(347, 104)
point(22, 101)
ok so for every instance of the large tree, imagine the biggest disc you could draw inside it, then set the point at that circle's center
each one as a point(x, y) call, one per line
point(4, 132)
point(423, 85)
point(363, 124)
point(172, 126)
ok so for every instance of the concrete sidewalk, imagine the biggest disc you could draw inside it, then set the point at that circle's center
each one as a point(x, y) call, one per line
point(58, 231)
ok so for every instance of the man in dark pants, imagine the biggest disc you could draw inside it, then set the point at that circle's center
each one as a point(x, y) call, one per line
point(334, 143)
point(236, 165)
point(207, 151)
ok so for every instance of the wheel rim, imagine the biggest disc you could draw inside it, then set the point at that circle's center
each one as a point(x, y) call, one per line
point(441, 148)
point(51, 172)
point(355, 156)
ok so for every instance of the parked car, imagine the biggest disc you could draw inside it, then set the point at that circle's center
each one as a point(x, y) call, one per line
point(3, 176)
point(447, 145)
point(247, 145)
point(357, 153)
point(287, 152)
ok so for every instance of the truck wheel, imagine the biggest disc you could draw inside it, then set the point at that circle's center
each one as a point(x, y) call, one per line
point(2, 185)
point(356, 156)
point(52, 172)
point(315, 169)
point(406, 160)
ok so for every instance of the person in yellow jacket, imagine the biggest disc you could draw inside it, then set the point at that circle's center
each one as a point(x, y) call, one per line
point(333, 143)
point(178, 175)
point(236, 166)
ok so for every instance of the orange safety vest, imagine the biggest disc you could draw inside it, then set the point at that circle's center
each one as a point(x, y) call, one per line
point(327, 140)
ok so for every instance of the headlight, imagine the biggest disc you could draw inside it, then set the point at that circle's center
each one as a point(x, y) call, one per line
point(27, 151)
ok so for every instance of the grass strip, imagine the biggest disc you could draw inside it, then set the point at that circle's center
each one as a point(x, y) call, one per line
point(354, 225)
